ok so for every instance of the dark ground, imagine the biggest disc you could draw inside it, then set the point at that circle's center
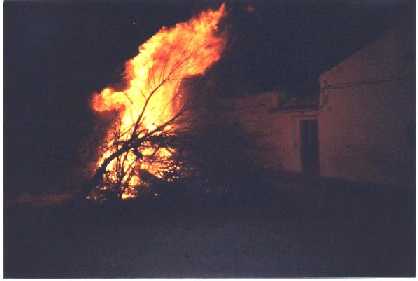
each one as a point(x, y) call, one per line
point(298, 228)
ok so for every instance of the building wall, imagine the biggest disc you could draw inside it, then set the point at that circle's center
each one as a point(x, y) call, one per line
point(276, 134)
point(367, 119)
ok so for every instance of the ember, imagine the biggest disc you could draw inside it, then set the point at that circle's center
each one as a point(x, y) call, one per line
point(150, 103)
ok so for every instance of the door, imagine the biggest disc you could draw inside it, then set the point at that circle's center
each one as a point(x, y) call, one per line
point(309, 147)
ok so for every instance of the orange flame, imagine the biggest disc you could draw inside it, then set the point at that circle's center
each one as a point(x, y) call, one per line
point(163, 61)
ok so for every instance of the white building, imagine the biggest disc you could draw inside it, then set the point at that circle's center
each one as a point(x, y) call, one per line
point(360, 128)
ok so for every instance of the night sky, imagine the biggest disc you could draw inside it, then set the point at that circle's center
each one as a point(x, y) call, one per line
point(57, 54)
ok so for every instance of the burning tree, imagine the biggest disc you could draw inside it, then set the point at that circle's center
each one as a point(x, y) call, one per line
point(140, 144)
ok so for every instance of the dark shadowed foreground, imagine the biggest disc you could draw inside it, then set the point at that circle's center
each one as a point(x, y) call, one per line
point(296, 228)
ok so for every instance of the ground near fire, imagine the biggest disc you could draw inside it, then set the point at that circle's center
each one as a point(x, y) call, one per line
point(209, 139)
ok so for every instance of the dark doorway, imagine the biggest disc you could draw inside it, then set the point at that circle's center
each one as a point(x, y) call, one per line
point(309, 146)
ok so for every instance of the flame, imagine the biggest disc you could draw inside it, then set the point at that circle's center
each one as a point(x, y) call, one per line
point(163, 61)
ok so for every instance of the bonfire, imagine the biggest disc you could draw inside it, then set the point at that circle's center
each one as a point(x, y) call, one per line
point(138, 147)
